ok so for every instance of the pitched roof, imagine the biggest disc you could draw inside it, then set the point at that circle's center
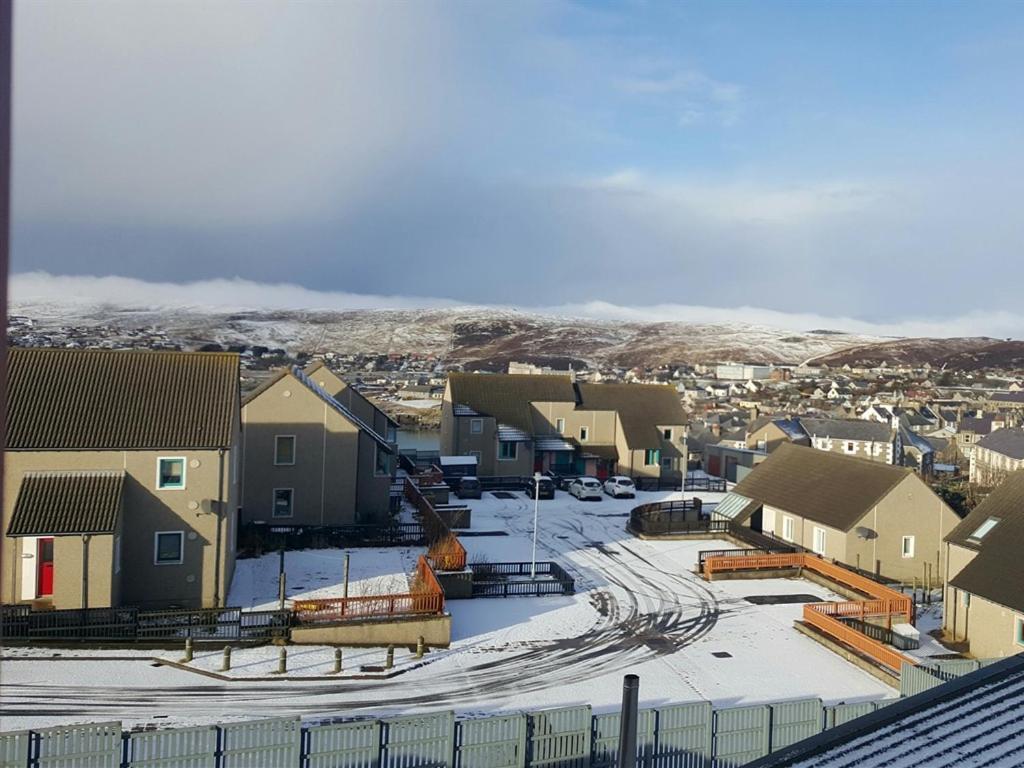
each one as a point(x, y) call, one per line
point(1008, 441)
point(848, 429)
point(641, 408)
point(507, 396)
point(1008, 397)
point(100, 399)
point(820, 485)
point(997, 571)
point(980, 425)
point(67, 503)
point(319, 391)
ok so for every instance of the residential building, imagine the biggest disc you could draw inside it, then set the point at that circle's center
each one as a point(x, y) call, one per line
point(516, 424)
point(317, 453)
point(867, 514)
point(970, 429)
point(768, 433)
point(997, 455)
point(855, 437)
point(121, 478)
point(984, 601)
point(740, 372)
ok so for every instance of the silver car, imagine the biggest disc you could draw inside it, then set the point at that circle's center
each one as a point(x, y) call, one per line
point(620, 487)
point(585, 488)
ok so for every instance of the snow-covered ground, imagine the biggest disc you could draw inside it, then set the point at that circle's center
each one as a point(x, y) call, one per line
point(638, 608)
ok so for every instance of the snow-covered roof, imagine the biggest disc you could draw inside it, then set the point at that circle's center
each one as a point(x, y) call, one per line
point(512, 434)
point(553, 444)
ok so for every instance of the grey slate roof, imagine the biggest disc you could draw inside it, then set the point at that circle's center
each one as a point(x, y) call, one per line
point(997, 572)
point(1008, 397)
point(1008, 441)
point(641, 408)
point(507, 397)
point(101, 399)
point(848, 429)
point(979, 425)
point(818, 485)
point(968, 722)
point(67, 503)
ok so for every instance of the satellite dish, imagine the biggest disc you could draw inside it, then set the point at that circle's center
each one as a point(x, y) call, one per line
point(865, 533)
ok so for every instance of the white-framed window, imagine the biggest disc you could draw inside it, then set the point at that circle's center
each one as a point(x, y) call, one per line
point(762, 445)
point(907, 548)
point(284, 502)
point(584, 434)
point(667, 433)
point(284, 450)
point(651, 457)
point(382, 462)
point(787, 528)
point(117, 554)
point(1018, 630)
point(508, 450)
point(818, 546)
point(168, 547)
point(850, 446)
point(170, 473)
point(476, 426)
point(982, 530)
point(965, 599)
point(560, 426)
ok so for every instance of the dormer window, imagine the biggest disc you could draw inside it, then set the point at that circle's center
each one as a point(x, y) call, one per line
point(982, 530)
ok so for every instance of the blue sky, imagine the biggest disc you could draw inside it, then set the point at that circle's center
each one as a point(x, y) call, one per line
point(847, 160)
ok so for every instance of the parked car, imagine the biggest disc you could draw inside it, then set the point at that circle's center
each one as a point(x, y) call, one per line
point(561, 481)
point(547, 488)
point(585, 488)
point(620, 487)
point(468, 488)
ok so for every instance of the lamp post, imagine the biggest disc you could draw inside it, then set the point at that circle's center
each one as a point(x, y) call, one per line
point(536, 509)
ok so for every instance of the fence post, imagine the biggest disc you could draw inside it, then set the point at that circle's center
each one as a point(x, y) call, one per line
point(419, 647)
point(390, 661)
point(337, 660)
point(282, 661)
point(188, 649)
point(628, 721)
point(225, 663)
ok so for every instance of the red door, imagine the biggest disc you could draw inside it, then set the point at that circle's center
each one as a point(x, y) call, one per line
point(44, 576)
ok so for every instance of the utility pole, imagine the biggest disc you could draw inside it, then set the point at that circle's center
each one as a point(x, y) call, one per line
point(536, 510)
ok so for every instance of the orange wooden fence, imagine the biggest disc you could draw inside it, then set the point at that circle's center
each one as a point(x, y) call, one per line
point(881, 601)
point(425, 596)
point(445, 551)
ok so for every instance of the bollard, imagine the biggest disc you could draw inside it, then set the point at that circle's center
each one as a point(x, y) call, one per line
point(225, 663)
point(391, 658)
point(628, 721)
point(282, 661)
point(337, 660)
point(419, 647)
point(188, 649)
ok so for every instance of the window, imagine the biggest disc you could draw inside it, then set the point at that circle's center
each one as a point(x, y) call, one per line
point(850, 446)
point(819, 541)
point(1019, 630)
point(787, 528)
point(651, 457)
point(168, 547)
point(170, 473)
point(908, 546)
point(560, 426)
point(476, 426)
point(667, 433)
point(283, 502)
point(584, 434)
point(382, 465)
point(982, 530)
point(507, 450)
point(965, 599)
point(476, 455)
point(284, 450)
point(666, 463)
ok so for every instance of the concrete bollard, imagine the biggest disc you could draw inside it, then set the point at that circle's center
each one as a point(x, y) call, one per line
point(420, 647)
point(391, 658)
point(188, 650)
point(225, 663)
point(337, 660)
point(282, 660)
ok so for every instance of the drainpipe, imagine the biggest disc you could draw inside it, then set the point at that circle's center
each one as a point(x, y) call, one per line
point(220, 506)
point(85, 570)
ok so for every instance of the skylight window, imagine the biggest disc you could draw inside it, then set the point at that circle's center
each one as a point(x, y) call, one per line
point(983, 529)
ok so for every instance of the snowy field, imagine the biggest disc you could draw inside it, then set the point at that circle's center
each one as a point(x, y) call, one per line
point(638, 609)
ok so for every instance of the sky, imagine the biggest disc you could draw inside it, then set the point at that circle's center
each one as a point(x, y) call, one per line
point(856, 161)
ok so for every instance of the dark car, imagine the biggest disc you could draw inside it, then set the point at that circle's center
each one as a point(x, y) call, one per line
point(468, 488)
point(547, 488)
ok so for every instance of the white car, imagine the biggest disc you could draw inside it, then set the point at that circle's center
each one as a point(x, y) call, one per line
point(619, 487)
point(585, 488)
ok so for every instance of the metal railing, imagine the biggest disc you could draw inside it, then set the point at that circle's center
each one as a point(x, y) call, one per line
point(673, 517)
point(424, 597)
point(504, 580)
point(445, 551)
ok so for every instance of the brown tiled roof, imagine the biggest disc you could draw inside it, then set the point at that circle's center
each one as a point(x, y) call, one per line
point(997, 572)
point(507, 397)
point(819, 485)
point(67, 503)
point(641, 408)
point(77, 399)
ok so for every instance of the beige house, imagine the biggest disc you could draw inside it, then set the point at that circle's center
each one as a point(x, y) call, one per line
point(996, 456)
point(984, 601)
point(317, 453)
point(121, 478)
point(862, 513)
point(768, 433)
point(518, 424)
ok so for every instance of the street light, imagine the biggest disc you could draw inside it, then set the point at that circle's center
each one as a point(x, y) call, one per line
point(536, 508)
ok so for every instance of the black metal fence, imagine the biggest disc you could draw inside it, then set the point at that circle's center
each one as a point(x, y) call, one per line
point(674, 517)
point(709, 484)
point(513, 580)
point(19, 622)
point(257, 538)
point(884, 635)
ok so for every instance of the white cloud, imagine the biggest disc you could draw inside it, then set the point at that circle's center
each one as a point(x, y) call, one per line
point(700, 98)
point(231, 295)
